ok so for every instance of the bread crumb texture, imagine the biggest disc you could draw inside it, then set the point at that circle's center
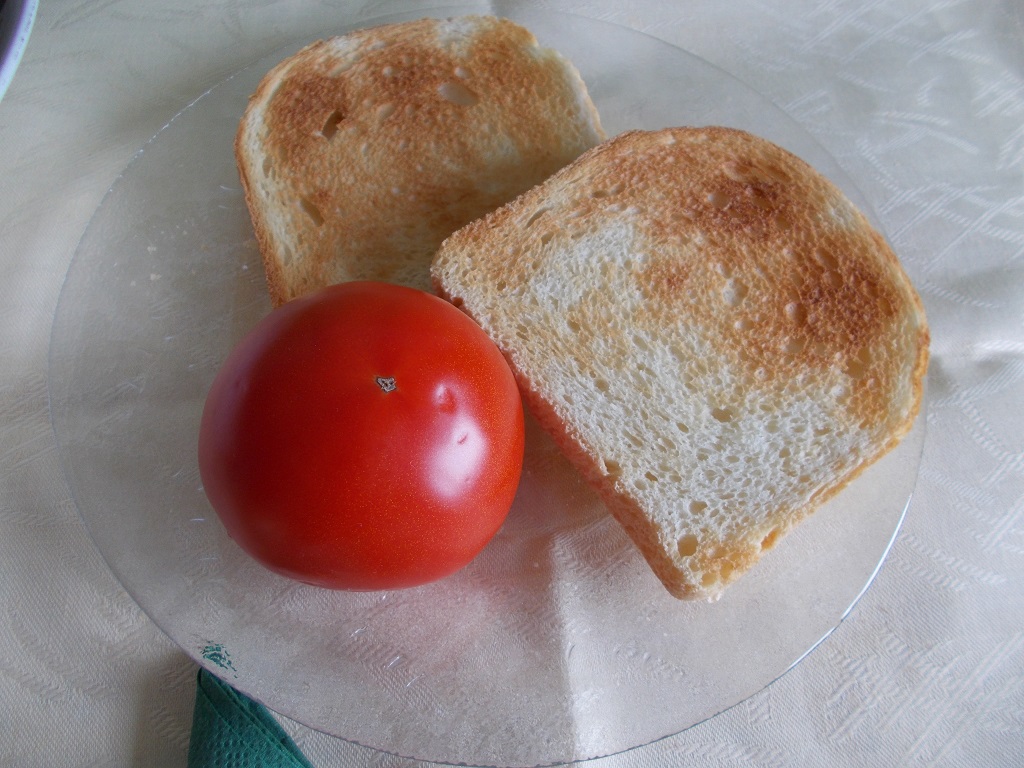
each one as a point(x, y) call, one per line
point(711, 331)
point(360, 154)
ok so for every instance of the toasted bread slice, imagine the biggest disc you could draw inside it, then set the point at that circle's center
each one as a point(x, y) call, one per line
point(358, 155)
point(709, 329)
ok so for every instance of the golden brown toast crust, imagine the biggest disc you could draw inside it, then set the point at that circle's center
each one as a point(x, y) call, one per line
point(359, 154)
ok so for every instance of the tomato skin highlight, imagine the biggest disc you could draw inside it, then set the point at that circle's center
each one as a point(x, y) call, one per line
point(366, 436)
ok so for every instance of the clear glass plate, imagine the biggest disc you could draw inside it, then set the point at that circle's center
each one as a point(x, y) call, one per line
point(557, 643)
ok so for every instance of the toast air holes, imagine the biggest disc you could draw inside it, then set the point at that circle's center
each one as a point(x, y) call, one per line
point(457, 93)
point(535, 215)
point(613, 190)
point(331, 124)
point(312, 211)
point(724, 415)
point(734, 292)
point(794, 346)
point(796, 313)
point(857, 367)
point(719, 200)
point(826, 259)
point(687, 545)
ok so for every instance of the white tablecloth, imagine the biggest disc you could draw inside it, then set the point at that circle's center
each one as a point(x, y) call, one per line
point(921, 103)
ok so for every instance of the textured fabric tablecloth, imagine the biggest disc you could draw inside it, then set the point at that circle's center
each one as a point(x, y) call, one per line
point(922, 104)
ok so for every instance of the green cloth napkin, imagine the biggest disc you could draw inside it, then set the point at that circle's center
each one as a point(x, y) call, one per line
point(230, 730)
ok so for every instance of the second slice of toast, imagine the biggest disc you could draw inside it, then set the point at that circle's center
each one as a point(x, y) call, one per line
point(359, 154)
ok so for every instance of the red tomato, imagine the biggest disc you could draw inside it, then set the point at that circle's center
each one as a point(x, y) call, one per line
point(367, 436)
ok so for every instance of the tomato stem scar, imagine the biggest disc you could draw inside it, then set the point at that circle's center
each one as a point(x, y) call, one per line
point(386, 384)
